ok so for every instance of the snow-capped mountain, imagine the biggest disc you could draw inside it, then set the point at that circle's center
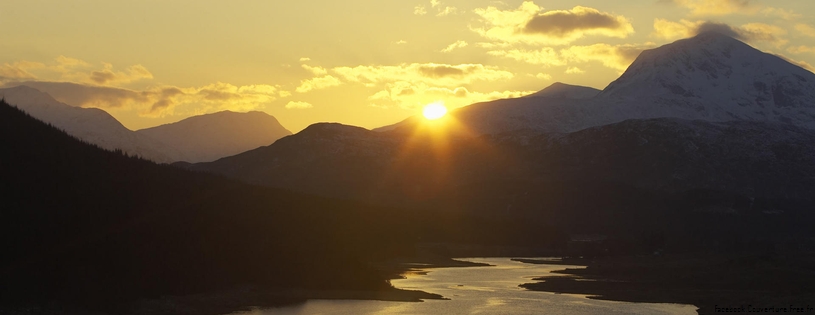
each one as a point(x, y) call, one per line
point(209, 137)
point(88, 124)
point(710, 77)
point(716, 78)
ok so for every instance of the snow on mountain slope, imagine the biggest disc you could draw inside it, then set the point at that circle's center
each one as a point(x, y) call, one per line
point(716, 78)
point(88, 124)
point(209, 137)
point(710, 77)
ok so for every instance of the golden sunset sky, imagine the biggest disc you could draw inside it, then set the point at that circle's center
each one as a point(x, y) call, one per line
point(361, 62)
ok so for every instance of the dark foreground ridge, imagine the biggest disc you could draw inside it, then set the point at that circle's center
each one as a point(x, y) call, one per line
point(87, 229)
point(758, 278)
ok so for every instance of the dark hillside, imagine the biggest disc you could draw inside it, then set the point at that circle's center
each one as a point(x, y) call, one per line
point(89, 226)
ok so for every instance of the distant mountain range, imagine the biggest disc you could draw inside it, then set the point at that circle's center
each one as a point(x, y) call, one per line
point(99, 230)
point(212, 136)
point(708, 113)
point(709, 77)
point(88, 124)
point(196, 139)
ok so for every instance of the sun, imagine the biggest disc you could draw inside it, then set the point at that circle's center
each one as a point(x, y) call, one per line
point(434, 111)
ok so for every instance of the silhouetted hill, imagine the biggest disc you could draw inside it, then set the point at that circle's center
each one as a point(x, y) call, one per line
point(567, 91)
point(96, 228)
point(92, 125)
point(209, 137)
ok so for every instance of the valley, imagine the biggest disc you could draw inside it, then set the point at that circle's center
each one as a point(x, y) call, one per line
point(689, 180)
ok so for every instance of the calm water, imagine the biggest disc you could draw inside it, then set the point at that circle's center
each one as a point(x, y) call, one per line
point(480, 290)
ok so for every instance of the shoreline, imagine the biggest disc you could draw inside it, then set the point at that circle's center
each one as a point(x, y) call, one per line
point(710, 282)
point(248, 299)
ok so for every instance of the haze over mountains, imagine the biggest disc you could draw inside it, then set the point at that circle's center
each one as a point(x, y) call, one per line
point(196, 139)
point(209, 137)
point(690, 115)
point(89, 124)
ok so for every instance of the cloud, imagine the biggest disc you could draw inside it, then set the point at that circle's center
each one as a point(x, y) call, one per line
point(453, 46)
point(410, 86)
point(751, 32)
point(447, 11)
point(716, 7)
point(546, 56)
point(401, 42)
point(543, 76)
point(161, 100)
point(18, 70)
point(802, 64)
point(304, 59)
point(315, 70)
point(782, 13)
point(73, 70)
point(419, 10)
point(575, 70)
point(318, 83)
point(805, 29)
point(728, 7)
point(107, 76)
point(580, 19)
point(441, 10)
point(298, 105)
point(409, 95)
point(429, 73)
point(617, 57)
point(528, 24)
point(802, 49)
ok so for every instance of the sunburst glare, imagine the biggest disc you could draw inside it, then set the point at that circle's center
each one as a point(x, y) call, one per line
point(434, 110)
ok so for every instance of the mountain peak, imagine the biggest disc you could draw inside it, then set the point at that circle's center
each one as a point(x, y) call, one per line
point(212, 136)
point(567, 91)
point(715, 77)
point(26, 94)
point(325, 128)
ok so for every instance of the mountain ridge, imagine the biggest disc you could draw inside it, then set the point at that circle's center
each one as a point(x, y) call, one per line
point(208, 137)
point(194, 139)
point(710, 76)
point(89, 124)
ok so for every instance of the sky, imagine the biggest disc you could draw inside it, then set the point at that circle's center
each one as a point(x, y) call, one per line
point(367, 63)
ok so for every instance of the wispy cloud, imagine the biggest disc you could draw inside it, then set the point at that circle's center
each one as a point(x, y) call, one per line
point(454, 46)
point(318, 83)
point(546, 56)
point(298, 105)
point(429, 73)
point(160, 100)
point(530, 24)
point(716, 7)
point(751, 32)
point(617, 57)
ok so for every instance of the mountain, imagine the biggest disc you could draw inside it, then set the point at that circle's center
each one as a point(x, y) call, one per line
point(711, 77)
point(716, 78)
point(567, 91)
point(752, 159)
point(651, 141)
point(209, 137)
point(99, 230)
point(195, 139)
point(88, 124)
point(532, 111)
